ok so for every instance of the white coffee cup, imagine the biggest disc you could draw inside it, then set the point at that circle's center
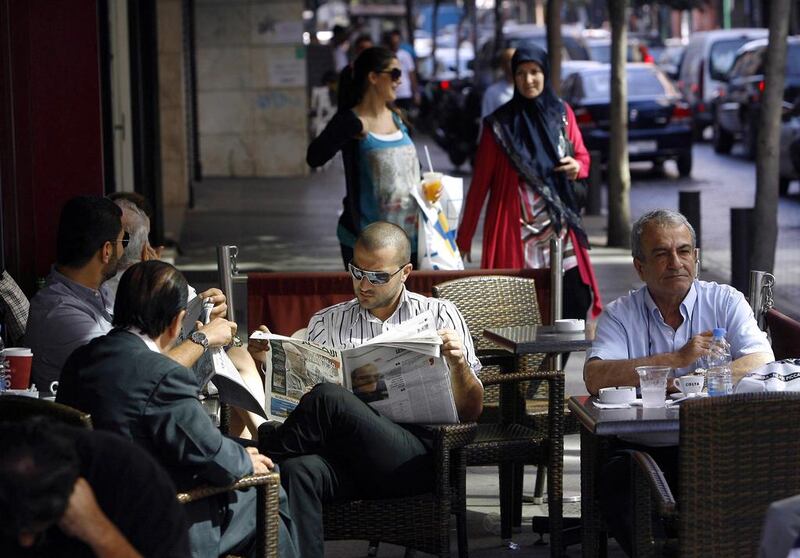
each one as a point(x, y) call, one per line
point(690, 384)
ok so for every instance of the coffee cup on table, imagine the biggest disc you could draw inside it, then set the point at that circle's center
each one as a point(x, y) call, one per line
point(690, 385)
point(19, 362)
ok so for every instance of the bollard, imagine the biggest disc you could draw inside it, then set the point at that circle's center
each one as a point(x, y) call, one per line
point(689, 206)
point(594, 203)
point(226, 267)
point(741, 247)
point(556, 278)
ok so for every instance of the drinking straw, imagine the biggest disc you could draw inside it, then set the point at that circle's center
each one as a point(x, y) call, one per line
point(428, 156)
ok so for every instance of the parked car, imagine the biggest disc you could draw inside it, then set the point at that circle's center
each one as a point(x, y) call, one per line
point(659, 119)
point(600, 50)
point(738, 107)
point(671, 56)
point(789, 154)
point(708, 57)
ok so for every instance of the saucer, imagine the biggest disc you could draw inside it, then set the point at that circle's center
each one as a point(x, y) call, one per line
point(681, 395)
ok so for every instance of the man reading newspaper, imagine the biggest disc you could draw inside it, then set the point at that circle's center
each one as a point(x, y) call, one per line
point(333, 445)
point(402, 373)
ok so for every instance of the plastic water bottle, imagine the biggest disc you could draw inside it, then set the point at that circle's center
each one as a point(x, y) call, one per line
point(5, 369)
point(718, 376)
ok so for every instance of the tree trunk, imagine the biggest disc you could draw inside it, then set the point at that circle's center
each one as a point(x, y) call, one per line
point(473, 18)
point(554, 43)
point(410, 25)
point(498, 28)
point(766, 211)
point(434, 24)
point(619, 175)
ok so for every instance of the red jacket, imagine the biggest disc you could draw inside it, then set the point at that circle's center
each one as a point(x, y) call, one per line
point(502, 239)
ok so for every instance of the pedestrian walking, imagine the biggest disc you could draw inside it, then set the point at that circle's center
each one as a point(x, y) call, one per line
point(530, 155)
point(380, 161)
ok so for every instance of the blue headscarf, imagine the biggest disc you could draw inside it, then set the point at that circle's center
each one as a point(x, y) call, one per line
point(528, 132)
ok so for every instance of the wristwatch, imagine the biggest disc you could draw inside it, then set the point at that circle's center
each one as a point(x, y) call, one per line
point(200, 338)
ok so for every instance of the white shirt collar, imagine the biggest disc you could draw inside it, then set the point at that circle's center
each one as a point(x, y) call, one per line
point(146, 338)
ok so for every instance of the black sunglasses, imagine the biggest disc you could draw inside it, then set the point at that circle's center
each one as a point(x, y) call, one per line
point(394, 73)
point(126, 238)
point(374, 277)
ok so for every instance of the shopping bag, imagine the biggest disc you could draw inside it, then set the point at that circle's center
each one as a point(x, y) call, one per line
point(436, 233)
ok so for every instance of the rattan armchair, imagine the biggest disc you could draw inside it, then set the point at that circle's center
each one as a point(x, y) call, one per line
point(19, 407)
point(737, 455)
point(268, 492)
point(512, 438)
point(419, 522)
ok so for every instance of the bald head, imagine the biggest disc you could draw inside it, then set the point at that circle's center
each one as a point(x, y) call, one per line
point(381, 235)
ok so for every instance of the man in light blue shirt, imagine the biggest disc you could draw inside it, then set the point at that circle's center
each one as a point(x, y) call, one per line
point(669, 321)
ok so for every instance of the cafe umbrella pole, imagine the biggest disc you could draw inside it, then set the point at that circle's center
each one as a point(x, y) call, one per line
point(556, 298)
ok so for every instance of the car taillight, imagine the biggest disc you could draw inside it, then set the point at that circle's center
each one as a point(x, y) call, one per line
point(584, 118)
point(444, 85)
point(681, 114)
point(761, 86)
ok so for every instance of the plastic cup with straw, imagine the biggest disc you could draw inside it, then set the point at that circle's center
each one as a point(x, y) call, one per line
point(431, 181)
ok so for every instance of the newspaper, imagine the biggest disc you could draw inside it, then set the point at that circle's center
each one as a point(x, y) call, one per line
point(216, 371)
point(400, 373)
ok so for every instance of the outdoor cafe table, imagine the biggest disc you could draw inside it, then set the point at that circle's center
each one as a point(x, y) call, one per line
point(526, 340)
point(597, 426)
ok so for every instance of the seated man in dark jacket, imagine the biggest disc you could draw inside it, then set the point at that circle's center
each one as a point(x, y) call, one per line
point(77, 493)
point(131, 388)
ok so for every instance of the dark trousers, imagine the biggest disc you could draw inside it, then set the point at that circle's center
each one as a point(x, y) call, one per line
point(616, 491)
point(333, 447)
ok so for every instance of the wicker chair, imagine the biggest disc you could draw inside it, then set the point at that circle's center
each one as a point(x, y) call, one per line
point(268, 491)
point(19, 407)
point(737, 455)
point(418, 522)
point(515, 438)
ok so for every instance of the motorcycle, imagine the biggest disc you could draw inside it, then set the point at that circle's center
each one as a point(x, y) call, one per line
point(451, 111)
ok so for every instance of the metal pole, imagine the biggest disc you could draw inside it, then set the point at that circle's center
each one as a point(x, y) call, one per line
point(594, 203)
point(556, 279)
point(226, 267)
point(741, 246)
point(689, 206)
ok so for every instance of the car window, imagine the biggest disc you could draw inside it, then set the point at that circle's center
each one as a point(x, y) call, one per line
point(642, 82)
point(793, 60)
point(722, 55)
point(567, 87)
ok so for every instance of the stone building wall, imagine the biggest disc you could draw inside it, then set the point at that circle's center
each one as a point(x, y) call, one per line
point(251, 88)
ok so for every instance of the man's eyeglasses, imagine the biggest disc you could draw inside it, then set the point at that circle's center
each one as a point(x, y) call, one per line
point(126, 238)
point(374, 277)
point(394, 73)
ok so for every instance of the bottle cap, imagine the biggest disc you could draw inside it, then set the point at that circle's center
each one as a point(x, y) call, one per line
point(719, 332)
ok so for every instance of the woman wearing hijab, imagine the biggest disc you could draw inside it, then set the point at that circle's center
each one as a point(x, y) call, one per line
point(530, 152)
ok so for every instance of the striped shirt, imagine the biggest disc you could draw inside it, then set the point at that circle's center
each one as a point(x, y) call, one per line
point(347, 325)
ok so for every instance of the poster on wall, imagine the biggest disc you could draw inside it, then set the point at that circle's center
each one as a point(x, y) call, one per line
point(286, 68)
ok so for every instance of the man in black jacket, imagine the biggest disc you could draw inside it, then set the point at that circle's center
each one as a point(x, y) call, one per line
point(131, 388)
